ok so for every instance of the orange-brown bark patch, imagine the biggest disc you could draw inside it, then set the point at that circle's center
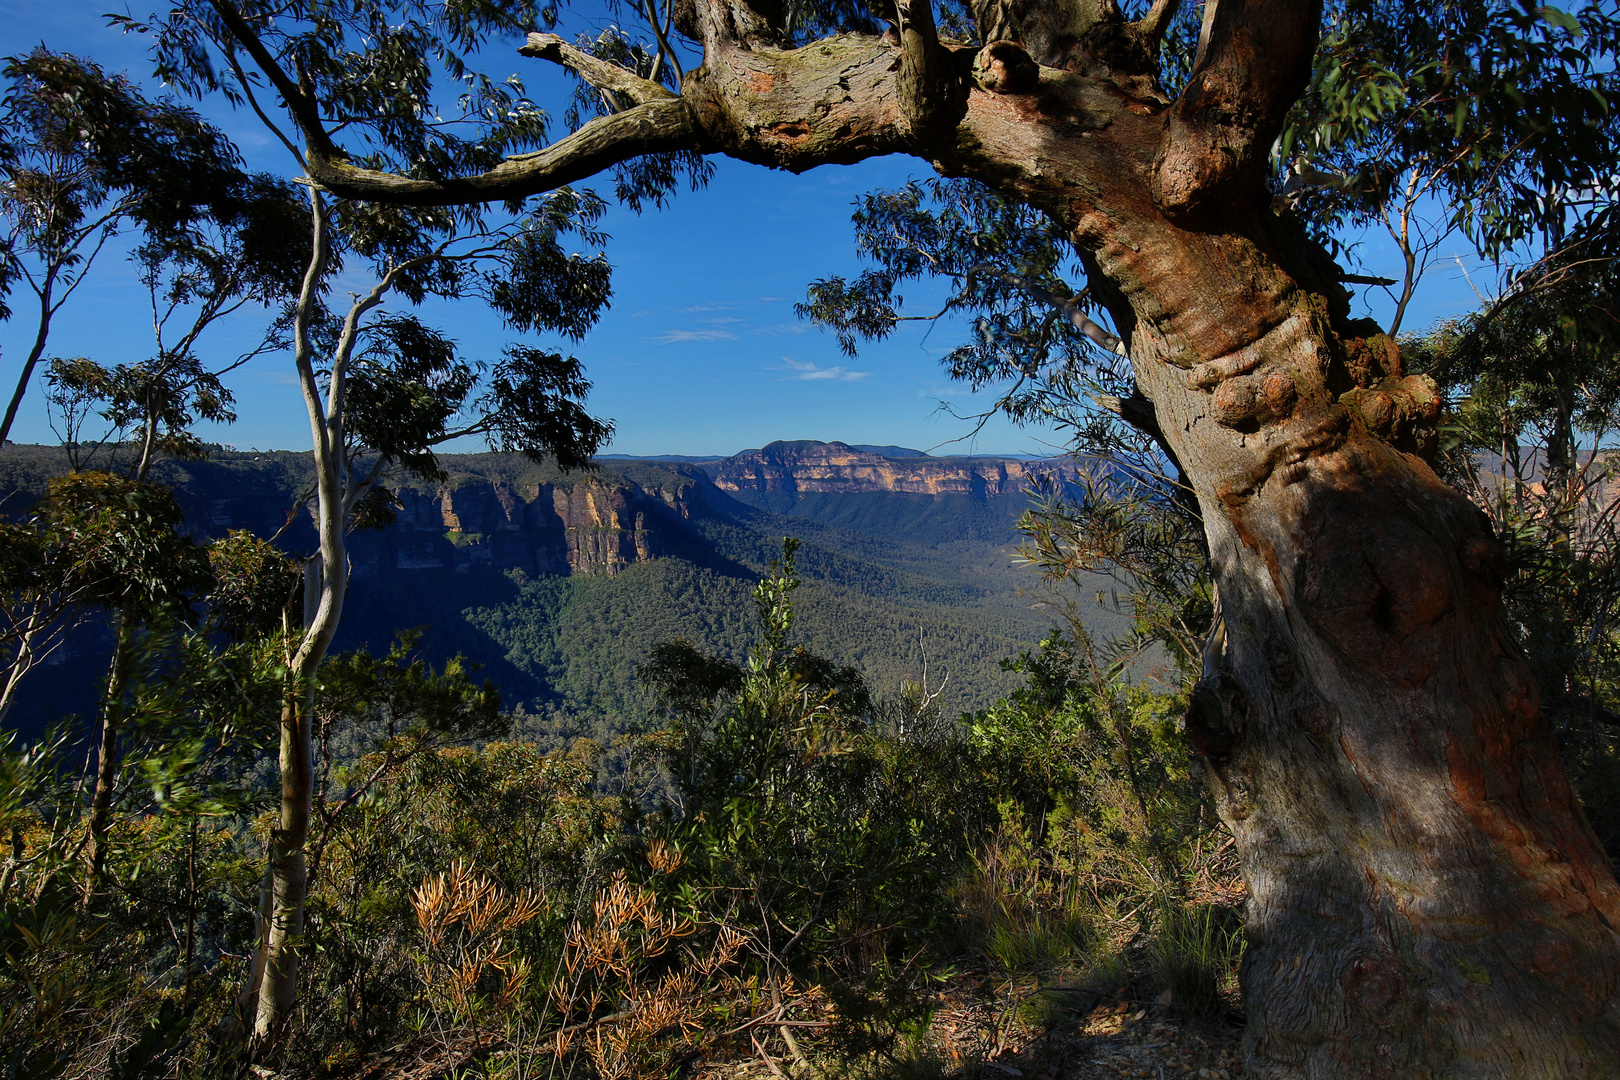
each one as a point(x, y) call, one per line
point(1564, 876)
point(791, 133)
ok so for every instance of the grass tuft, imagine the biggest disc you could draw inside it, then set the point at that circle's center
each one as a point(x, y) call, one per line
point(1194, 953)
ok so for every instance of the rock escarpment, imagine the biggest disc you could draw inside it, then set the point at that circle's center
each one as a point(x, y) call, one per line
point(507, 513)
point(488, 514)
point(817, 467)
point(592, 526)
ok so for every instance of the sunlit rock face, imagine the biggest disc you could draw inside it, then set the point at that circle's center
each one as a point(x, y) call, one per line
point(805, 467)
point(589, 527)
point(581, 523)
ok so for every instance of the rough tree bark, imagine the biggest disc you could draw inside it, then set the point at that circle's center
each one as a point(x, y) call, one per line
point(1427, 899)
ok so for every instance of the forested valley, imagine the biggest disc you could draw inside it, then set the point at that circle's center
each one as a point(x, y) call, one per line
point(1270, 732)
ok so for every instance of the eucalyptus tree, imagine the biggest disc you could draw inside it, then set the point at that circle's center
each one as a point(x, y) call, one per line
point(96, 541)
point(84, 156)
point(1425, 897)
point(382, 389)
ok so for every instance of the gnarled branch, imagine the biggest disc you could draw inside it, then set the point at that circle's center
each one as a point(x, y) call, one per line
point(1254, 59)
point(599, 73)
point(1153, 25)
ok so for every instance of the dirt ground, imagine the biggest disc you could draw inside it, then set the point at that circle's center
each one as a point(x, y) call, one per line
point(978, 1031)
point(1116, 1040)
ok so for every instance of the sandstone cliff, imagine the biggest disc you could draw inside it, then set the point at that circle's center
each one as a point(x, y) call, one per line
point(487, 514)
point(508, 513)
point(596, 525)
point(806, 467)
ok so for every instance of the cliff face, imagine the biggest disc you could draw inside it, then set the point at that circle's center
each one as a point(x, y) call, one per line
point(593, 526)
point(805, 467)
point(545, 523)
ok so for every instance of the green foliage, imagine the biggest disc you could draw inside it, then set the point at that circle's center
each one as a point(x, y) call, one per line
point(254, 583)
point(82, 150)
point(43, 948)
point(998, 256)
point(1501, 112)
point(816, 835)
point(374, 84)
point(398, 700)
point(1095, 769)
point(526, 820)
point(112, 981)
point(579, 637)
point(813, 828)
point(1147, 538)
point(84, 156)
point(113, 542)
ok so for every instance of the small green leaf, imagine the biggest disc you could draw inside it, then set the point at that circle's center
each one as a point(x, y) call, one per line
point(1561, 19)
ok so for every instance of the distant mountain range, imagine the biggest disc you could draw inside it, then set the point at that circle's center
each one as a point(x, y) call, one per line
point(559, 584)
point(881, 451)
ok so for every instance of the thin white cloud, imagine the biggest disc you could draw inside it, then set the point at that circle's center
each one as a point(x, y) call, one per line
point(781, 328)
point(698, 309)
point(808, 372)
point(676, 337)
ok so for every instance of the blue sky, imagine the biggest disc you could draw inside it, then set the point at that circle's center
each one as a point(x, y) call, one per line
point(701, 352)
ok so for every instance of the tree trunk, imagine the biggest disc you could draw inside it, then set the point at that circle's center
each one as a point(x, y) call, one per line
point(26, 376)
point(288, 870)
point(326, 584)
point(112, 722)
point(1426, 897)
point(289, 883)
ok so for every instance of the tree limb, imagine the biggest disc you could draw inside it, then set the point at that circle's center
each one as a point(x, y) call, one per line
point(1154, 24)
point(1254, 60)
point(599, 73)
point(927, 95)
point(654, 127)
point(298, 103)
point(1069, 306)
point(1135, 410)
